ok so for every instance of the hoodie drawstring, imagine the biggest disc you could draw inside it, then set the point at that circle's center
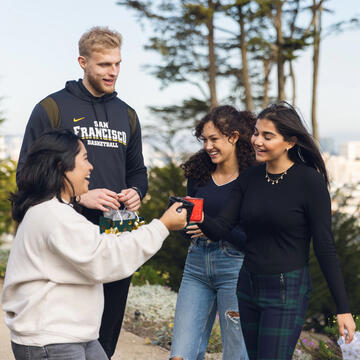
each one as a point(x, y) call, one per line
point(106, 113)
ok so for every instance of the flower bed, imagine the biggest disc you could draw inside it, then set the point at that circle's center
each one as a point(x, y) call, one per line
point(150, 313)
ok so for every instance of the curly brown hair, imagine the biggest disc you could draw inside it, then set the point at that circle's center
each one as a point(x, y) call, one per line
point(227, 120)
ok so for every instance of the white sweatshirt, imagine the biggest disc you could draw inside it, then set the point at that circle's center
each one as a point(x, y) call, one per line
point(53, 289)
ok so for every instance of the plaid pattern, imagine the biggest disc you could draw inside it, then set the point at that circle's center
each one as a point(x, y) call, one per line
point(272, 312)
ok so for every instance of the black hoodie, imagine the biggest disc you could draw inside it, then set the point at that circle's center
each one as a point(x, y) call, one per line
point(103, 123)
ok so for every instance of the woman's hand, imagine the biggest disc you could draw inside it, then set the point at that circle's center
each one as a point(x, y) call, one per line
point(346, 321)
point(101, 199)
point(194, 231)
point(173, 218)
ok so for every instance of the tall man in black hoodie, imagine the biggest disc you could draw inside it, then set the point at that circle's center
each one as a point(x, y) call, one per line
point(112, 136)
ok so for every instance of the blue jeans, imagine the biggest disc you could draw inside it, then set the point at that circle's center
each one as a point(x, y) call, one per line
point(208, 285)
point(91, 350)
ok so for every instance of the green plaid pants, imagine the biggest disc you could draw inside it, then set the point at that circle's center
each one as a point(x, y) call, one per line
point(272, 312)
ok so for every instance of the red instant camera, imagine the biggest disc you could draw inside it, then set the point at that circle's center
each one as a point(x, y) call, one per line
point(194, 207)
point(196, 214)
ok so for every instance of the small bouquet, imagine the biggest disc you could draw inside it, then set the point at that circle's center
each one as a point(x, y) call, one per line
point(119, 221)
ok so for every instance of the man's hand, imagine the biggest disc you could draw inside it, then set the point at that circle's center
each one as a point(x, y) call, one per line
point(101, 199)
point(130, 198)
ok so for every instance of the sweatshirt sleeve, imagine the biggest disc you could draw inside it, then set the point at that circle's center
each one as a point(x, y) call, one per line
point(136, 173)
point(92, 257)
point(38, 124)
point(319, 216)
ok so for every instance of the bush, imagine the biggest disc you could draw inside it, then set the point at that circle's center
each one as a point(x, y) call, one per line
point(4, 255)
point(153, 303)
point(148, 275)
point(7, 185)
point(322, 307)
point(163, 182)
point(150, 313)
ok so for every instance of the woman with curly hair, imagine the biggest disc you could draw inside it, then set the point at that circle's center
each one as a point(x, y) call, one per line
point(212, 267)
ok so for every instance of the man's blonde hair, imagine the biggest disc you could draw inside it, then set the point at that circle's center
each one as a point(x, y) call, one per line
point(98, 38)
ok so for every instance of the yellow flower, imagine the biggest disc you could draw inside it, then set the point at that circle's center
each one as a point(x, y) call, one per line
point(147, 341)
point(165, 276)
point(171, 325)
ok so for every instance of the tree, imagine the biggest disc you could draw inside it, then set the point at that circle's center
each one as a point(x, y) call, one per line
point(277, 18)
point(184, 38)
point(317, 10)
point(241, 12)
point(317, 27)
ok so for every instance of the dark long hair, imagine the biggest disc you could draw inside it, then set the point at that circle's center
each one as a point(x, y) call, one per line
point(227, 120)
point(43, 173)
point(289, 124)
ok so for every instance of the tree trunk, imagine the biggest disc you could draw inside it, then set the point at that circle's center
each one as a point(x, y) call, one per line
point(267, 69)
point(293, 83)
point(316, 57)
point(249, 104)
point(280, 57)
point(292, 72)
point(211, 56)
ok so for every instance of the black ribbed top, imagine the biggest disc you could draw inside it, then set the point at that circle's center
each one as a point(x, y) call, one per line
point(279, 221)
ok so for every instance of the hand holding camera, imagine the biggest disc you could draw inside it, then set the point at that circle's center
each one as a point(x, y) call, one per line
point(174, 219)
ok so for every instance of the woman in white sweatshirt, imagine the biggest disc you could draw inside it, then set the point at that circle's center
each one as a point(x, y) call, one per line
point(53, 294)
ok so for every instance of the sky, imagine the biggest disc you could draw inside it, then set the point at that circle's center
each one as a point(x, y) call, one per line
point(39, 54)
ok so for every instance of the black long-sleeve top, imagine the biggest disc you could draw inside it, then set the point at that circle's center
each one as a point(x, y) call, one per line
point(215, 198)
point(279, 221)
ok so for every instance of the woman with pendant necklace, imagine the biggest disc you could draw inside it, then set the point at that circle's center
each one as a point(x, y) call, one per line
point(211, 269)
point(281, 204)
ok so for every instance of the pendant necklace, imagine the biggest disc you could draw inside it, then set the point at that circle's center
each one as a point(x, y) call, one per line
point(228, 178)
point(274, 181)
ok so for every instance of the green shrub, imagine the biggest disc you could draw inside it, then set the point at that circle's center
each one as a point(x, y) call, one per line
point(346, 232)
point(148, 275)
point(4, 255)
point(163, 182)
point(150, 313)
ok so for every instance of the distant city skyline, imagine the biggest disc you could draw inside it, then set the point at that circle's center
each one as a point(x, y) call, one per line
point(40, 54)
